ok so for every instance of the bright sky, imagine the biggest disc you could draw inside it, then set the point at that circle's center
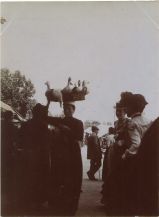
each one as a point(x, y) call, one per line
point(113, 45)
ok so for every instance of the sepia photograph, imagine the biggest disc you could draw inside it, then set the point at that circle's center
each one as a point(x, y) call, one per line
point(79, 108)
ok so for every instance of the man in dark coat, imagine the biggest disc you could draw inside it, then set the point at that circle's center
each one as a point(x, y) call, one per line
point(35, 164)
point(66, 163)
point(94, 153)
point(8, 141)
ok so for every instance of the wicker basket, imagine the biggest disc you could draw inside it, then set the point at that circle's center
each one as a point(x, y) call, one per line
point(73, 96)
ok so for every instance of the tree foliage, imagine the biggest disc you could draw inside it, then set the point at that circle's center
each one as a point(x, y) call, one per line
point(17, 91)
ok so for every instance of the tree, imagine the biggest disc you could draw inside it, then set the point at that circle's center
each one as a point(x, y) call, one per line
point(17, 91)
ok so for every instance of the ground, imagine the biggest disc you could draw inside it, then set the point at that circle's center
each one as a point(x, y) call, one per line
point(89, 204)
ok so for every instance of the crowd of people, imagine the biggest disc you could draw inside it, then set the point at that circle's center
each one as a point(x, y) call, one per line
point(42, 167)
point(130, 171)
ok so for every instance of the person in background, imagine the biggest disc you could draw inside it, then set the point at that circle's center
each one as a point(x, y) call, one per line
point(86, 138)
point(110, 137)
point(94, 153)
point(66, 163)
point(109, 142)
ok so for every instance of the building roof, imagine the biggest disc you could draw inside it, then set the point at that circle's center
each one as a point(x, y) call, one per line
point(5, 107)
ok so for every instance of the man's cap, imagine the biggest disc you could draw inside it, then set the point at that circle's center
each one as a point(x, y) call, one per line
point(94, 128)
point(39, 109)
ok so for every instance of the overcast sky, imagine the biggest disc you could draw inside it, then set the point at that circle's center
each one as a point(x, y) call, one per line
point(113, 45)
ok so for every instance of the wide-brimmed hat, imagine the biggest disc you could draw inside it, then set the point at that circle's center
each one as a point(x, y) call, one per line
point(119, 105)
point(139, 99)
point(130, 99)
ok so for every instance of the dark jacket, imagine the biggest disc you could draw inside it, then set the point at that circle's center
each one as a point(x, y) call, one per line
point(148, 172)
point(8, 162)
point(8, 140)
point(94, 150)
point(66, 165)
point(34, 142)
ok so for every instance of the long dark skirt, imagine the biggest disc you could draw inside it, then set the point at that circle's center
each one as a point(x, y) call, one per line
point(66, 179)
point(34, 181)
point(113, 189)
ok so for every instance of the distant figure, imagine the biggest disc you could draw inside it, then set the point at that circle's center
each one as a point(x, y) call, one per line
point(94, 153)
point(110, 137)
point(86, 138)
point(35, 164)
point(8, 143)
point(110, 140)
point(66, 163)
